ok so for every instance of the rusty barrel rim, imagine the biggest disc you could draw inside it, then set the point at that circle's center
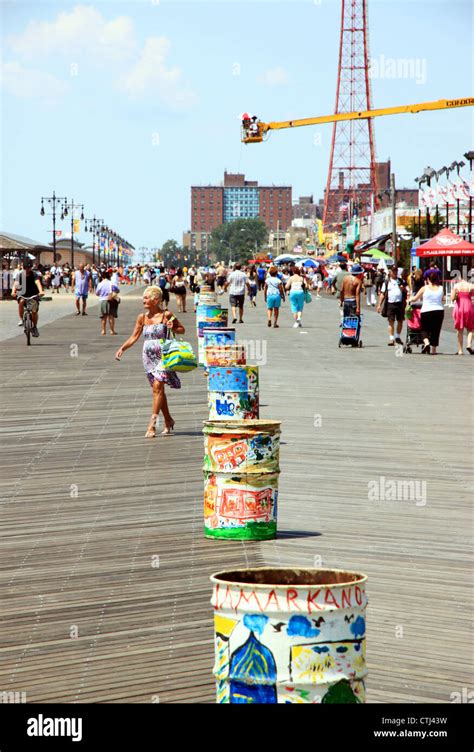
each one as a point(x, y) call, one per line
point(296, 577)
point(224, 426)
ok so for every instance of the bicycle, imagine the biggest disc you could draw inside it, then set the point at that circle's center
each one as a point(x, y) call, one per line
point(28, 325)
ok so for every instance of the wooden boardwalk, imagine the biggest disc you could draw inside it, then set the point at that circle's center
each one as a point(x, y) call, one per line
point(104, 569)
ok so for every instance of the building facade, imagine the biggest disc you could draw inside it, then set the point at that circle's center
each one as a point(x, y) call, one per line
point(238, 198)
point(306, 209)
point(340, 203)
point(241, 203)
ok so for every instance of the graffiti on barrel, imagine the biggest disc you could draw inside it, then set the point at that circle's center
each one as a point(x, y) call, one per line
point(225, 355)
point(240, 507)
point(210, 316)
point(257, 450)
point(233, 392)
point(214, 337)
point(273, 655)
point(241, 467)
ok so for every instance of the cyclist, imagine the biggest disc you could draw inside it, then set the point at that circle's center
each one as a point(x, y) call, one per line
point(27, 285)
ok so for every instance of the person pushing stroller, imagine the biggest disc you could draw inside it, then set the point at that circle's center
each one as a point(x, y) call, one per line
point(350, 291)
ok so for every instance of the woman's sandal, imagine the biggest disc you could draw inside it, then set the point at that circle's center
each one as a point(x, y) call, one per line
point(151, 430)
point(168, 430)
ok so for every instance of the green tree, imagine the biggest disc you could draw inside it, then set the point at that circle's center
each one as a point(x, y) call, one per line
point(171, 253)
point(238, 240)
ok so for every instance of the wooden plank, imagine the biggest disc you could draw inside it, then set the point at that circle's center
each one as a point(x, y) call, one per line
point(86, 502)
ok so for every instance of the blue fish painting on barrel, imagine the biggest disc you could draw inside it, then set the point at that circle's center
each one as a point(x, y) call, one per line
point(232, 379)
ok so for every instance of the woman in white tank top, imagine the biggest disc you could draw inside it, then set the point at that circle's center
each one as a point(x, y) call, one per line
point(432, 312)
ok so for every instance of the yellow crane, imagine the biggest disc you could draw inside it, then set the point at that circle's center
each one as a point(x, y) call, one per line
point(254, 130)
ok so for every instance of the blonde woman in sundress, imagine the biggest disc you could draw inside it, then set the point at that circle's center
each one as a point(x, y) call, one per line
point(155, 324)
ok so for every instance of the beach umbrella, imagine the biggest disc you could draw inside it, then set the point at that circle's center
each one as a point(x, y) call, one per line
point(336, 257)
point(307, 262)
point(376, 253)
point(285, 258)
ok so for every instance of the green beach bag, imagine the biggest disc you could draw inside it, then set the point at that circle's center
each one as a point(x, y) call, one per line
point(177, 355)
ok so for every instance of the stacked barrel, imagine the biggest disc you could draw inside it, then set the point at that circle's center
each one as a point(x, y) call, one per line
point(241, 460)
point(304, 660)
point(241, 468)
point(209, 315)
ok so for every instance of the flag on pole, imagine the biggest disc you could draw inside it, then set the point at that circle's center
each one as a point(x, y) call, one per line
point(431, 197)
point(452, 191)
point(77, 225)
point(422, 199)
point(442, 194)
point(462, 190)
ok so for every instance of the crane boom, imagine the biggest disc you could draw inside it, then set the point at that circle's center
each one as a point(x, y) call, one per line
point(255, 136)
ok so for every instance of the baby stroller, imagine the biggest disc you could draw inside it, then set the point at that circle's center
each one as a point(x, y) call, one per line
point(350, 331)
point(414, 335)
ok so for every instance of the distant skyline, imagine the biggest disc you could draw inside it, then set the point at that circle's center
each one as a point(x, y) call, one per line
point(123, 106)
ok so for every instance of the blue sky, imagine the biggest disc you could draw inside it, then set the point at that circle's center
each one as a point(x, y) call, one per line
point(123, 106)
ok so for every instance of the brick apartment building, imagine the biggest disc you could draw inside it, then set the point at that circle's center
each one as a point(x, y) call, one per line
point(306, 209)
point(236, 198)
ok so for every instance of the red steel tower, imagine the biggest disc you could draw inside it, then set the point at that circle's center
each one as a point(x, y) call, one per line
point(351, 184)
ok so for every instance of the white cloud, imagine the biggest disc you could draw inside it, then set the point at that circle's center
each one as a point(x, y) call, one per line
point(150, 77)
point(83, 36)
point(26, 83)
point(274, 77)
point(82, 30)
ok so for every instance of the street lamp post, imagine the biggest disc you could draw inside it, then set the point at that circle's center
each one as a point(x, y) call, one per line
point(457, 166)
point(53, 201)
point(95, 225)
point(442, 171)
point(71, 207)
point(428, 174)
point(469, 155)
point(420, 181)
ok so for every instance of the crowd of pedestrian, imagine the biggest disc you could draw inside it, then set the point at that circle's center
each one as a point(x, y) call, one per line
point(393, 291)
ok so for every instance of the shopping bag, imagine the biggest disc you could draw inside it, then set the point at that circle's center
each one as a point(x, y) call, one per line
point(177, 355)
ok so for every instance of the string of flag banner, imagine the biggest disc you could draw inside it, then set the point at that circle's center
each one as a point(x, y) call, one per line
point(438, 194)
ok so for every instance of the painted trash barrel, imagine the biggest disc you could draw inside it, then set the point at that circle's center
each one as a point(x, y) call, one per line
point(225, 355)
point(207, 296)
point(210, 316)
point(241, 469)
point(233, 392)
point(289, 636)
point(210, 336)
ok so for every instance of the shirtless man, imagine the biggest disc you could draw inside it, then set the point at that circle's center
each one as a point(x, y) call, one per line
point(350, 291)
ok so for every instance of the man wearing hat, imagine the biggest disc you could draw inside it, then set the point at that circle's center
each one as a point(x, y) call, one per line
point(350, 291)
